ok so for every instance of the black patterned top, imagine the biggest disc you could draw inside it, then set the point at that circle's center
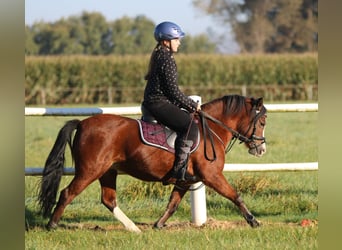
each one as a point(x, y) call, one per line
point(162, 83)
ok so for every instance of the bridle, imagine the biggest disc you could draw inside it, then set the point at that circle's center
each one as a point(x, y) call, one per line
point(251, 140)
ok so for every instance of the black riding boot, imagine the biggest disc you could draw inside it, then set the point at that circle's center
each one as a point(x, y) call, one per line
point(180, 164)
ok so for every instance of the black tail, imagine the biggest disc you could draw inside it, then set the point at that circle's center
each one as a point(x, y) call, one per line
point(53, 169)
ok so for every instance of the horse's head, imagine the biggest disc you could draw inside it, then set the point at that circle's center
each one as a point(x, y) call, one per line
point(255, 135)
point(244, 118)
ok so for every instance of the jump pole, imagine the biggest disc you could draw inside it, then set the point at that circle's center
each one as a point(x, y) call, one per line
point(197, 197)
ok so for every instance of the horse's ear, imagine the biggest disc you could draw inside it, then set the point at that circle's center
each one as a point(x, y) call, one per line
point(259, 103)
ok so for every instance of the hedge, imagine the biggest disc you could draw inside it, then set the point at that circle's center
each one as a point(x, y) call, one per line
point(89, 79)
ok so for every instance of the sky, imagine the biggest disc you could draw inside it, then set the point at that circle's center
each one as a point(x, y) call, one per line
point(191, 19)
point(182, 12)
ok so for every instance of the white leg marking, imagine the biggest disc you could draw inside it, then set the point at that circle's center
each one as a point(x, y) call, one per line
point(125, 220)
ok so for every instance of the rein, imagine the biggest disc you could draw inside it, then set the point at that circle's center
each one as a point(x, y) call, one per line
point(236, 135)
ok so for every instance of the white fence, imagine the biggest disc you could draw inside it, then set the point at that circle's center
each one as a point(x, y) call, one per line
point(198, 200)
point(306, 107)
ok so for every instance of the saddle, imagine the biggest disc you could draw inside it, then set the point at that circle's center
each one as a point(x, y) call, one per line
point(158, 135)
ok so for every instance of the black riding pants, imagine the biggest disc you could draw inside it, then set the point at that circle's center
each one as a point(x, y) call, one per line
point(173, 117)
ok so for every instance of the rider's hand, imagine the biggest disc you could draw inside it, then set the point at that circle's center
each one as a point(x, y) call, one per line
point(198, 107)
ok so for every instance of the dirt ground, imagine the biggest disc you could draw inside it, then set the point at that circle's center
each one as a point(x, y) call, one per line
point(176, 225)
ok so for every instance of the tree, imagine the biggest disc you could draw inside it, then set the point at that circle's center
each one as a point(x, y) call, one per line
point(76, 36)
point(48, 39)
point(95, 28)
point(268, 25)
point(132, 36)
point(91, 34)
point(31, 48)
point(197, 44)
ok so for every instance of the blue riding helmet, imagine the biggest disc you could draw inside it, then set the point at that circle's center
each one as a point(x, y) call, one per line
point(167, 31)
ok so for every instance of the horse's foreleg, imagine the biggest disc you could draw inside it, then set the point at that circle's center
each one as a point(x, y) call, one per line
point(220, 185)
point(108, 198)
point(175, 198)
point(249, 217)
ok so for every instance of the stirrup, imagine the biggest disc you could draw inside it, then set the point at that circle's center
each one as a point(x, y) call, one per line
point(181, 176)
point(185, 176)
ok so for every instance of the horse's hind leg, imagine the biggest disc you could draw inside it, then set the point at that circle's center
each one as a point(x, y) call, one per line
point(108, 198)
point(76, 186)
point(220, 185)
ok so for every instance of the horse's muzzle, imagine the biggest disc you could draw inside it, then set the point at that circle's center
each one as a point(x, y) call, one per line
point(257, 150)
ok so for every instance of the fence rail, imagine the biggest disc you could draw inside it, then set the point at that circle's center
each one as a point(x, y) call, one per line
point(135, 110)
point(231, 167)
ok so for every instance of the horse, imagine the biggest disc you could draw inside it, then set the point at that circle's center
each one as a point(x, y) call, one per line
point(106, 144)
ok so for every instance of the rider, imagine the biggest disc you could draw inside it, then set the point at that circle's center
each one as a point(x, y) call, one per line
point(163, 98)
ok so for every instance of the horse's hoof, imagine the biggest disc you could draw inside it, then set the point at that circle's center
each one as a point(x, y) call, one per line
point(134, 229)
point(51, 226)
point(157, 226)
point(254, 223)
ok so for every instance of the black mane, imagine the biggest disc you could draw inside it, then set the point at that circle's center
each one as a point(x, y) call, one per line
point(234, 104)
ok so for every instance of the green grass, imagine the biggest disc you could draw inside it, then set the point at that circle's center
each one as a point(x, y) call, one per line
point(280, 200)
point(186, 238)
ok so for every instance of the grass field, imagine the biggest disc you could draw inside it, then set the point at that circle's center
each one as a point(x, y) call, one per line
point(279, 200)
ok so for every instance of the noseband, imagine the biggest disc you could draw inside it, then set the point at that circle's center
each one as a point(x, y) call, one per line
point(236, 135)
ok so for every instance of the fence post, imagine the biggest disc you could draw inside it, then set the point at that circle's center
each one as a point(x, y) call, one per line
point(197, 197)
point(244, 90)
point(110, 94)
